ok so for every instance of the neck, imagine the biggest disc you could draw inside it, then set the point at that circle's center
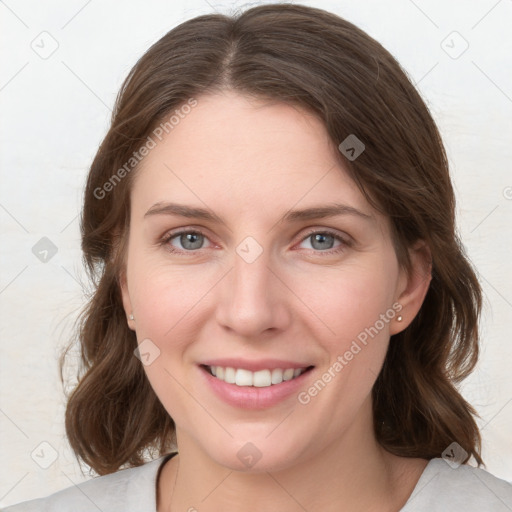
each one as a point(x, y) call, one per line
point(355, 473)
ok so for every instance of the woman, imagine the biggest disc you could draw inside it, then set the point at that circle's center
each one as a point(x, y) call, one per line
point(283, 308)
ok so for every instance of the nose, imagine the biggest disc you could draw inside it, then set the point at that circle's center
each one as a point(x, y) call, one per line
point(254, 300)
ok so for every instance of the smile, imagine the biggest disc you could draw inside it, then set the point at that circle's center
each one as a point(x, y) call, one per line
point(261, 379)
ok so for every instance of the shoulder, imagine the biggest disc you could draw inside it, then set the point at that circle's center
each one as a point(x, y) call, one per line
point(443, 487)
point(132, 489)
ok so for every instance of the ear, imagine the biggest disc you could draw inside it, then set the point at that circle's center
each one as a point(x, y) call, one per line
point(413, 286)
point(127, 304)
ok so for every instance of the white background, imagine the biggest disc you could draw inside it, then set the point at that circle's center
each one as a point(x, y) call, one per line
point(55, 112)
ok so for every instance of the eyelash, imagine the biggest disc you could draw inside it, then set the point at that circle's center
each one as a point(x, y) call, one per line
point(169, 236)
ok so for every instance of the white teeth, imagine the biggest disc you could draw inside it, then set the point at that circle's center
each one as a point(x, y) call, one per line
point(243, 377)
point(288, 374)
point(230, 375)
point(277, 376)
point(260, 379)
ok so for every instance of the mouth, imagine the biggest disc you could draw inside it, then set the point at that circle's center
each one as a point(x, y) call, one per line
point(260, 379)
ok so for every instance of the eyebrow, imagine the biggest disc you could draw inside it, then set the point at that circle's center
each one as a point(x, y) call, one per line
point(312, 213)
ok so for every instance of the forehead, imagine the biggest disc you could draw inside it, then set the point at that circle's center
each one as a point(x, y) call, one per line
point(235, 153)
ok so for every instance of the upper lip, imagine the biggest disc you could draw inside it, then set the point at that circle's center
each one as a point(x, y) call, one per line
point(255, 365)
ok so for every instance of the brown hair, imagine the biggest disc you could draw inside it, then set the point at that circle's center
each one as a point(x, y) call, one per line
point(318, 61)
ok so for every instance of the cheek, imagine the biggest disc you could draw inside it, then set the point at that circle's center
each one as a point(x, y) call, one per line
point(355, 309)
point(167, 301)
point(345, 302)
point(170, 302)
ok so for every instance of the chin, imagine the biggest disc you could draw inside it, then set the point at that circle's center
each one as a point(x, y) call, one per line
point(257, 456)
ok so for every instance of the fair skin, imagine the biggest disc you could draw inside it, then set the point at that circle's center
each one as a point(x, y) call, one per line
point(250, 162)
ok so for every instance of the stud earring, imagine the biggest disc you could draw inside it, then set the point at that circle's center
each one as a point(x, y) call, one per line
point(132, 317)
point(399, 318)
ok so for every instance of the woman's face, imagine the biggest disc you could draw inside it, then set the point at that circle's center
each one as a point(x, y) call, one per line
point(266, 282)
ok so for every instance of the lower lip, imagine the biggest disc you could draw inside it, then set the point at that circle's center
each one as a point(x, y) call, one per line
point(251, 397)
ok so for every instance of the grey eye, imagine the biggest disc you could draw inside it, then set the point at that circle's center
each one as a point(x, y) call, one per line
point(191, 240)
point(322, 241)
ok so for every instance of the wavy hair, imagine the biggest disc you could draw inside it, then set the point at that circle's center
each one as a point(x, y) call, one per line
point(315, 60)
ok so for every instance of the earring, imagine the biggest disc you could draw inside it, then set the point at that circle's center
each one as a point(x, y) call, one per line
point(131, 317)
point(399, 318)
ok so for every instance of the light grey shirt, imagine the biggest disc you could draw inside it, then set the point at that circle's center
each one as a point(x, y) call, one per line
point(440, 488)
